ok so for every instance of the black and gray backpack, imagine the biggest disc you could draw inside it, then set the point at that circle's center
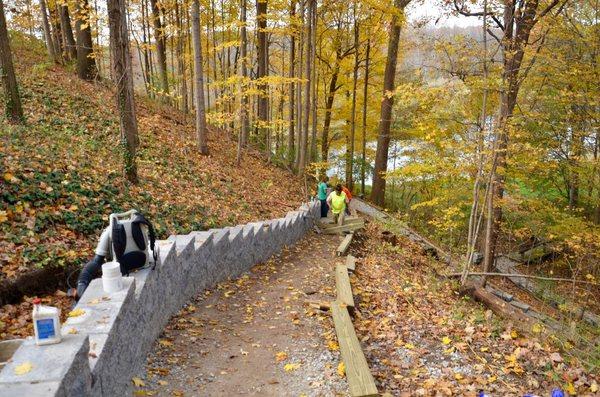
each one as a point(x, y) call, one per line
point(131, 235)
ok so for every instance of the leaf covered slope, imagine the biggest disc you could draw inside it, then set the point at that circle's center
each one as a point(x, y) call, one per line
point(61, 174)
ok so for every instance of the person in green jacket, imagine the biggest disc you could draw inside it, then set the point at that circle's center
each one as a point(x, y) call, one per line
point(322, 196)
point(338, 200)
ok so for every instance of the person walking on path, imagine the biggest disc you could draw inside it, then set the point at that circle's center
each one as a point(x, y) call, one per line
point(349, 197)
point(337, 200)
point(322, 195)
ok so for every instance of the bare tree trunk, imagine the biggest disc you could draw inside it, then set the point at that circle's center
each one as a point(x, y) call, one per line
point(518, 22)
point(122, 75)
point(161, 50)
point(86, 64)
point(350, 149)
point(243, 137)
point(99, 52)
point(199, 80)
point(145, 41)
point(67, 30)
point(300, 74)
point(181, 59)
point(48, 33)
point(12, 105)
point(303, 144)
point(214, 53)
point(333, 87)
point(387, 103)
point(473, 230)
point(292, 103)
point(57, 35)
point(364, 119)
point(262, 71)
point(313, 106)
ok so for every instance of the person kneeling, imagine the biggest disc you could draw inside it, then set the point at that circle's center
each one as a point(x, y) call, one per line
point(125, 240)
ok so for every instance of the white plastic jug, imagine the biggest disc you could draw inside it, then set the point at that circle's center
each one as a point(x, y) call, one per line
point(46, 323)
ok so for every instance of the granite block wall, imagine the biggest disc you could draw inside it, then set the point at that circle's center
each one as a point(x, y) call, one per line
point(105, 347)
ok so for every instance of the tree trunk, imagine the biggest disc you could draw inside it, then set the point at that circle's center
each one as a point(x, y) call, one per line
point(364, 120)
point(57, 35)
point(262, 72)
point(243, 138)
point(328, 106)
point(214, 54)
point(292, 103)
point(516, 38)
point(67, 30)
point(387, 103)
point(146, 68)
point(199, 80)
point(313, 39)
point(303, 144)
point(350, 150)
point(13, 109)
point(300, 74)
point(122, 75)
point(86, 63)
point(475, 217)
point(181, 59)
point(48, 33)
point(161, 50)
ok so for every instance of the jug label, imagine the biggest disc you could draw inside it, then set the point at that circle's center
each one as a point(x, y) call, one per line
point(45, 328)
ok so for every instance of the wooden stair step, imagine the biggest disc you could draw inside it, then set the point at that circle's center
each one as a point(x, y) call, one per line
point(351, 263)
point(344, 245)
point(360, 379)
point(342, 285)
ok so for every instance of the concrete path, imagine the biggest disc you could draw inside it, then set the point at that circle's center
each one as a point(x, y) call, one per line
point(255, 336)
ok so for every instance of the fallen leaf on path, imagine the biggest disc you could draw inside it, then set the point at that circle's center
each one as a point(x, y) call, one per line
point(341, 369)
point(23, 368)
point(281, 356)
point(291, 367)
point(569, 388)
point(138, 382)
point(333, 345)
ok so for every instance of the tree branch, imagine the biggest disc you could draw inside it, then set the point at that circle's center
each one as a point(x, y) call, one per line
point(524, 276)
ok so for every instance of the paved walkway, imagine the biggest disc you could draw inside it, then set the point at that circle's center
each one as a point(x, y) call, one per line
point(255, 336)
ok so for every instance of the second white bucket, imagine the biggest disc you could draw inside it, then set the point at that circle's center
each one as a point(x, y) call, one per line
point(112, 280)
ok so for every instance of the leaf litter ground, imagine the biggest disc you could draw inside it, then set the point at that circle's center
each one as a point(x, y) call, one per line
point(422, 338)
point(61, 176)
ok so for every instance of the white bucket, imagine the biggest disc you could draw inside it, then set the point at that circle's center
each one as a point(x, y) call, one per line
point(112, 280)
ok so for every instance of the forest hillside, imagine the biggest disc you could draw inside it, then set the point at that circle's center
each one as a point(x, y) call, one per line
point(62, 173)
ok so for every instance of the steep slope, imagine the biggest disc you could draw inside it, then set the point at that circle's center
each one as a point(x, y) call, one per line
point(61, 173)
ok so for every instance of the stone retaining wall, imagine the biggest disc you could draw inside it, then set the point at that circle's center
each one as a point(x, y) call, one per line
point(102, 349)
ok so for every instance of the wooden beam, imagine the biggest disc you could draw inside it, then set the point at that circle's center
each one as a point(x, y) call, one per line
point(341, 229)
point(351, 263)
point(360, 380)
point(343, 287)
point(351, 221)
point(344, 245)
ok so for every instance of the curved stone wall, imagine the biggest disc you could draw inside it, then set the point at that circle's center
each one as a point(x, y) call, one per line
point(102, 349)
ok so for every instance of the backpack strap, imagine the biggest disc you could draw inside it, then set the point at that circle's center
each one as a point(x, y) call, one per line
point(119, 240)
point(141, 220)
